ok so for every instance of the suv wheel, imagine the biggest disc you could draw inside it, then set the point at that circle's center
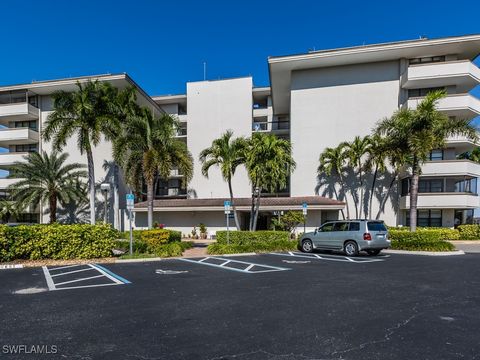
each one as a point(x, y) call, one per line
point(350, 248)
point(307, 246)
point(373, 252)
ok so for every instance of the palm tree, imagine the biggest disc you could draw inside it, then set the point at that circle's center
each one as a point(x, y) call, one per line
point(8, 209)
point(147, 148)
point(45, 178)
point(269, 163)
point(89, 114)
point(227, 154)
point(473, 155)
point(332, 162)
point(355, 154)
point(377, 153)
point(417, 132)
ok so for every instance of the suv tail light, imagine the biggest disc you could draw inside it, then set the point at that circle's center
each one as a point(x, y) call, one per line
point(367, 236)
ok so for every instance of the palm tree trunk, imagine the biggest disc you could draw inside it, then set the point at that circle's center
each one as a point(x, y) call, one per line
point(414, 195)
point(385, 197)
point(360, 206)
point(116, 206)
point(257, 208)
point(235, 215)
point(370, 202)
point(91, 184)
point(150, 203)
point(346, 200)
point(52, 202)
point(336, 197)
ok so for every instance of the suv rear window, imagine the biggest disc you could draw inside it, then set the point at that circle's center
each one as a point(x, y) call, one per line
point(376, 226)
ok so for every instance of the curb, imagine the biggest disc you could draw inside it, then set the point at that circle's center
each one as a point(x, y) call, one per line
point(425, 253)
point(120, 261)
point(14, 266)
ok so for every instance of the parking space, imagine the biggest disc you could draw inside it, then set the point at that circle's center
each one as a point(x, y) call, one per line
point(329, 257)
point(245, 267)
point(80, 276)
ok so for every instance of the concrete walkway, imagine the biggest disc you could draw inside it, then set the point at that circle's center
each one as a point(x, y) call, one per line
point(468, 246)
point(199, 248)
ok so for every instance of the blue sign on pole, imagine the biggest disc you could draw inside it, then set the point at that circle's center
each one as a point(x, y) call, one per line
point(130, 200)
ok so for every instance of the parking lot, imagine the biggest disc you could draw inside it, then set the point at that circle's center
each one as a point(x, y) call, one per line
point(273, 306)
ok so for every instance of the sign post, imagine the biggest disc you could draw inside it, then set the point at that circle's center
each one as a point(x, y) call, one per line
point(130, 202)
point(304, 210)
point(228, 208)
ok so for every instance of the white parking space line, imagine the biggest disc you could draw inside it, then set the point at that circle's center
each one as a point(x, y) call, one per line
point(338, 258)
point(54, 280)
point(248, 267)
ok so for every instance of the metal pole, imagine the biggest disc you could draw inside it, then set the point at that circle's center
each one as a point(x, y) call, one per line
point(228, 229)
point(105, 207)
point(131, 233)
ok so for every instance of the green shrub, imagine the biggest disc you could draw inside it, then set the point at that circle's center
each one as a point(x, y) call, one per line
point(469, 232)
point(158, 237)
point(423, 234)
point(173, 249)
point(281, 245)
point(418, 245)
point(249, 237)
point(35, 242)
point(137, 246)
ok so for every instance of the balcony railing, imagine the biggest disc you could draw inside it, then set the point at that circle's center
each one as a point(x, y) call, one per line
point(271, 126)
point(165, 192)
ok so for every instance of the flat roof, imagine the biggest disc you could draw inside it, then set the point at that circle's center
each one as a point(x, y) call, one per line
point(267, 203)
point(281, 67)
point(48, 87)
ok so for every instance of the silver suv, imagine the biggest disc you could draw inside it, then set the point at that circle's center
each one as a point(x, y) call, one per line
point(350, 236)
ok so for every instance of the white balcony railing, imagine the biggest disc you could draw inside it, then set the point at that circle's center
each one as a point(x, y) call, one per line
point(17, 111)
point(459, 105)
point(451, 168)
point(9, 158)
point(5, 182)
point(451, 200)
point(13, 136)
point(461, 73)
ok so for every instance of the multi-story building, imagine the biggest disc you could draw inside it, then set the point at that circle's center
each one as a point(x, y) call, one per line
point(315, 100)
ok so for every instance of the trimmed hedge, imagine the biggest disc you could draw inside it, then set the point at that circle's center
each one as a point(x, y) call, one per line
point(423, 234)
point(59, 242)
point(418, 245)
point(248, 241)
point(469, 232)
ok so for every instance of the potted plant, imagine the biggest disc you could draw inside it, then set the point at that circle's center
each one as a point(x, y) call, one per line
point(203, 231)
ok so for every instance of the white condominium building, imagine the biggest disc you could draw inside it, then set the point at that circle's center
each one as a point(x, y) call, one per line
point(315, 100)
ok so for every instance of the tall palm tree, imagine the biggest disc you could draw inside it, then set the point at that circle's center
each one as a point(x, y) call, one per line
point(332, 162)
point(473, 155)
point(45, 178)
point(355, 155)
point(89, 114)
point(417, 132)
point(377, 153)
point(147, 148)
point(226, 153)
point(269, 163)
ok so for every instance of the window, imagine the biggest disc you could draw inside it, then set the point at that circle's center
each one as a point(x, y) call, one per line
point(427, 218)
point(26, 124)
point(430, 185)
point(26, 148)
point(405, 186)
point(422, 92)
point(426, 60)
point(354, 226)
point(327, 227)
point(340, 226)
point(436, 155)
point(27, 218)
point(376, 226)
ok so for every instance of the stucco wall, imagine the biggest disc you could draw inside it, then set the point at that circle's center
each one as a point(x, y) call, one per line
point(331, 105)
point(213, 108)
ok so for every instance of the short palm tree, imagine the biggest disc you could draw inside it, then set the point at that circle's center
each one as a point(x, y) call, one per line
point(147, 148)
point(417, 132)
point(89, 114)
point(355, 156)
point(332, 162)
point(45, 178)
point(226, 153)
point(473, 155)
point(8, 209)
point(269, 163)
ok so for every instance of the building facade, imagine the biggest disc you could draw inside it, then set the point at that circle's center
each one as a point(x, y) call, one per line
point(315, 100)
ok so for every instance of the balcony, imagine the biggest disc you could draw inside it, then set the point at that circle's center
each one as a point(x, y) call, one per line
point(463, 74)
point(18, 136)
point(451, 168)
point(181, 133)
point(461, 143)
point(5, 182)
point(459, 105)
point(445, 200)
point(9, 158)
point(17, 111)
point(175, 173)
point(275, 127)
point(261, 111)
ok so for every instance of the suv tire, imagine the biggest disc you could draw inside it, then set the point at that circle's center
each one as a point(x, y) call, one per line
point(350, 248)
point(307, 246)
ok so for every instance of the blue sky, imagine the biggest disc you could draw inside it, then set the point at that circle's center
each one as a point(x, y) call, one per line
point(163, 44)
